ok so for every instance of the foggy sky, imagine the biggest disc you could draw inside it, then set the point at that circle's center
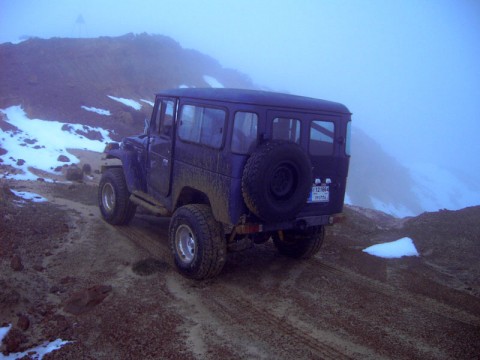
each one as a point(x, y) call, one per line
point(408, 70)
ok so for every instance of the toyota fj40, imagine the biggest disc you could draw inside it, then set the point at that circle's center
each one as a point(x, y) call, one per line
point(232, 168)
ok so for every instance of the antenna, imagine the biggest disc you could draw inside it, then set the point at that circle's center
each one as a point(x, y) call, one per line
point(80, 27)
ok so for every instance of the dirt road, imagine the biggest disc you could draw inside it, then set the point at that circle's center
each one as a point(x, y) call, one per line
point(114, 293)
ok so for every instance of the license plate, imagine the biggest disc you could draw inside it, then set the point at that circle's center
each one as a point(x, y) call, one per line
point(319, 194)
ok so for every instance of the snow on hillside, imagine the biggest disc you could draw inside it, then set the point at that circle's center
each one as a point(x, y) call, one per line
point(439, 188)
point(214, 83)
point(40, 143)
point(434, 187)
point(132, 103)
point(97, 110)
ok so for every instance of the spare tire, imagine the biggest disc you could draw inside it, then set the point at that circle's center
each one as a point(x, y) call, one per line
point(277, 180)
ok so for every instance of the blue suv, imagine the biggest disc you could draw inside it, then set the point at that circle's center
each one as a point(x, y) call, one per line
point(232, 168)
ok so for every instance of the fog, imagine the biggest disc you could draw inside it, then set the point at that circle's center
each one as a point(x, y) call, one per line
point(408, 70)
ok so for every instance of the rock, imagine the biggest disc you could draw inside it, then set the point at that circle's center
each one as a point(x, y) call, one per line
point(124, 117)
point(16, 263)
point(63, 158)
point(74, 173)
point(20, 162)
point(38, 268)
point(13, 340)
point(54, 289)
point(23, 322)
point(61, 322)
point(83, 301)
point(87, 169)
point(58, 168)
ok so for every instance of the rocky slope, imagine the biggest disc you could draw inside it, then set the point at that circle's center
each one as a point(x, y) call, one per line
point(52, 79)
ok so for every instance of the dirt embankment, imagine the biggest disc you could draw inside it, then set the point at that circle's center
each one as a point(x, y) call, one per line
point(114, 293)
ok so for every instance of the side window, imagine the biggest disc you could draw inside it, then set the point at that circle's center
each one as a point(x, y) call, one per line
point(202, 125)
point(244, 132)
point(321, 137)
point(168, 107)
point(286, 129)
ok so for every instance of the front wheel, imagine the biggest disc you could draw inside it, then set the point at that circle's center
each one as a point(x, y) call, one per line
point(197, 242)
point(114, 198)
point(300, 245)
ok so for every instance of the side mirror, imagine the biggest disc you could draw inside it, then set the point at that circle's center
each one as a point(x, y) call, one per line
point(146, 126)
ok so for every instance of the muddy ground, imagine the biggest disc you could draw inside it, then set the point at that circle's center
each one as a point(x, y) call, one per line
point(114, 293)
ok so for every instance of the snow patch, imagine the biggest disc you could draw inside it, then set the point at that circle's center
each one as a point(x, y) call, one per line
point(129, 102)
point(96, 110)
point(4, 331)
point(394, 249)
point(348, 200)
point(398, 211)
point(38, 143)
point(36, 353)
point(147, 102)
point(214, 83)
point(29, 196)
point(183, 86)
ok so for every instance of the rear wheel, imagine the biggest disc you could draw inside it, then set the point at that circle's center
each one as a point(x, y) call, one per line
point(197, 242)
point(300, 245)
point(114, 198)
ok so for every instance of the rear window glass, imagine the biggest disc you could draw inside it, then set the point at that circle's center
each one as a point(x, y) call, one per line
point(202, 125)
point(286, 129)
point(349, 138)
point(244, 132)
point(321, 137)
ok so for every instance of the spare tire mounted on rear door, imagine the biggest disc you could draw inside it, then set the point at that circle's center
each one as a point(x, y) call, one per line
point(277, 180)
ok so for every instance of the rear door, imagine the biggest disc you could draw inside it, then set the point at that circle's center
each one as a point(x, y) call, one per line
point(161, 146)
point(318, 135)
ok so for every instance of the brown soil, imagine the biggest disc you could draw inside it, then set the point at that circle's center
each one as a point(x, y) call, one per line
point(113, 291)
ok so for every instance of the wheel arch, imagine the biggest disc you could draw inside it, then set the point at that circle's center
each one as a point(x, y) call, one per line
point(128, 161)
point(189, 195)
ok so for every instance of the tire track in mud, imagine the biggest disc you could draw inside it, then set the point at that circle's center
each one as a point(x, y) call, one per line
point(238, 309)
point(428, 304)
point(243, 311)
point(150, 236)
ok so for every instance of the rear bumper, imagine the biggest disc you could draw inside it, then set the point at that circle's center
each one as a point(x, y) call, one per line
point(301, 223)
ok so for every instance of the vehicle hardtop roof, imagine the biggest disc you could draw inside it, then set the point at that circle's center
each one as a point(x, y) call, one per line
point(257, 97)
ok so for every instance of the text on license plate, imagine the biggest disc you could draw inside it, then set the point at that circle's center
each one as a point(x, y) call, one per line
point(319, 194)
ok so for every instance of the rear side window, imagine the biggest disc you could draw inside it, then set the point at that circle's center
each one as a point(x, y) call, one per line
point(321, 137)
point(349, 138)
point(202, 125)
point(244, 132)
point(286, 129)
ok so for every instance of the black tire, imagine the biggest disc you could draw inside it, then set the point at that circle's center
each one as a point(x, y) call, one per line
point(114, 198)
point(300, 245)
point(197, 242)
point(277, 180)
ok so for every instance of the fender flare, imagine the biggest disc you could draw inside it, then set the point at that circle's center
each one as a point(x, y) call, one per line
point(132, 168)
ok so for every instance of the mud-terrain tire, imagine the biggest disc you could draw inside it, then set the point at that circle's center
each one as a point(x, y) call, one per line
point(197, 242)
point(277, 180)
point(300, 245)
point(114, 198)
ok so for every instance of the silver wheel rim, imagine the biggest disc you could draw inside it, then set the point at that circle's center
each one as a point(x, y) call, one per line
point(185, 244)
point(108, 197)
